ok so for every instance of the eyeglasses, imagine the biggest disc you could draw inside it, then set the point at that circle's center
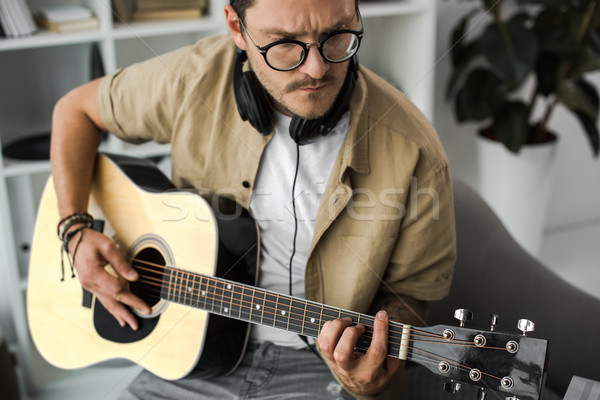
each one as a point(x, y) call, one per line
point(289, 54)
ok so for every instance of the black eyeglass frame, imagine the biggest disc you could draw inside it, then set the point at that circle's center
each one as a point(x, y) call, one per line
point(306, 46)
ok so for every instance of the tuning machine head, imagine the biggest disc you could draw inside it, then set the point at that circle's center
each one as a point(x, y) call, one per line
point(463, 315)
point(452, 387)
point(525, 326)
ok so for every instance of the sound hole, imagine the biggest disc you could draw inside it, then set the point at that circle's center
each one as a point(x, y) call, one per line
point(149, 263)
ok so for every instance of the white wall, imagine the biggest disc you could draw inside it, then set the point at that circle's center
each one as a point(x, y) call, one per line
point(576, 194)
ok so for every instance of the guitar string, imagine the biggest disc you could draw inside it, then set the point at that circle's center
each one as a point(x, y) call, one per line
point(247, 304)
point(158, 282)
point(370, 319)
point(425, 357)
point(181, 292)
point(432, 356)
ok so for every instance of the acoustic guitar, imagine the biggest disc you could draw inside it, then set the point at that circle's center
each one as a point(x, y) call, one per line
point(198, 267)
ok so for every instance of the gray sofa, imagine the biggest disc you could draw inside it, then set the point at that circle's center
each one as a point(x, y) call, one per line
point(493, 274)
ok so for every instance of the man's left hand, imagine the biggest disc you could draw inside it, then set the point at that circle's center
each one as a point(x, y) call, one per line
point(368, 373)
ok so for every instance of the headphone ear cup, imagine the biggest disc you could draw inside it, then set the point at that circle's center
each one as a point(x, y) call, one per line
point(252, 102)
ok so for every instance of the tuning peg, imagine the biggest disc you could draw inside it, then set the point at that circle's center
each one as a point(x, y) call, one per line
point(463, 315)
point(525, 326)
point(481, 394)
point(452, 386)
point(494, 321)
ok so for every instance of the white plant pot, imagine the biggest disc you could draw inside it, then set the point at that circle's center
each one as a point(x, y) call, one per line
point(518, 187)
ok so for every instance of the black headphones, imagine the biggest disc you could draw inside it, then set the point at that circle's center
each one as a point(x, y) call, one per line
point(254, 104)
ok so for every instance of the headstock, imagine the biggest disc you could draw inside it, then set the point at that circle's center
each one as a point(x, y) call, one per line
point(511, 364)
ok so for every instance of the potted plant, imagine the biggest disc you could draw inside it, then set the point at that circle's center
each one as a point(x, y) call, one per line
point(547, 44)
point(512, 63)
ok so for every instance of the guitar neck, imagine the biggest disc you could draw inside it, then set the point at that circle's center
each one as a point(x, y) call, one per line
point(259, 306)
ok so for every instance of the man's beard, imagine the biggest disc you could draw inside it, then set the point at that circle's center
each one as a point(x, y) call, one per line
point(277, 95)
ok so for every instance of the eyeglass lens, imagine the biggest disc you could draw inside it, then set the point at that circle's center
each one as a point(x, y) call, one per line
point(336, 48)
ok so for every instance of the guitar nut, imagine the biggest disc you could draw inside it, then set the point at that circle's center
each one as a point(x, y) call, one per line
point(444, 367)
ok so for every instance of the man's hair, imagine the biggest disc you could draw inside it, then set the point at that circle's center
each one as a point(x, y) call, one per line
point(240, 6)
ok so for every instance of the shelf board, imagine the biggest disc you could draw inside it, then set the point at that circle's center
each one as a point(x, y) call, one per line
point(131, 30)
point(49, 39)
point(14, 168)
point(391, 8)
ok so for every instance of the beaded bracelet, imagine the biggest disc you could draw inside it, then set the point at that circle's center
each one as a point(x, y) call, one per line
point(65, 248)
point(66, 223)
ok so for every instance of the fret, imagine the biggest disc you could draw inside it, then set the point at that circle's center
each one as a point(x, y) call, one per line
point(258, 299)
point(186, 288)
point(228, 294)
point(196, 291)
point(270, 309)
point(202, 294)
point(312, 323)
point(282, 318)
point(349, 314)
point(276, 310)
point(218, 296)
point(237, 302)
point(247, 304)
point(330, 313)
point(177, 287)
point(165, 291)
point(297, 315)
point(209, 295)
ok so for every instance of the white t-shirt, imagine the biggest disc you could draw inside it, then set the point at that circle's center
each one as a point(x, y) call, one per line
point(271, 207)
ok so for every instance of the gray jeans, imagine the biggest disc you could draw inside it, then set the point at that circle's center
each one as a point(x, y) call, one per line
point(266, 372)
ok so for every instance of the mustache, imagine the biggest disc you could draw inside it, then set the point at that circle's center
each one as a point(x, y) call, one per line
point(309, 82)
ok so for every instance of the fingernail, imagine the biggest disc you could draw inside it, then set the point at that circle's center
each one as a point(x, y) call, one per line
point(382, 315)
point(132, 275)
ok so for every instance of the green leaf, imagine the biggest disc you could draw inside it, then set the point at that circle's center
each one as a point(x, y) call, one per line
point(468, 55)
point(584, 61)
point(579, 97)
point(511, 125)
point(591, 130)
point(458, 40)
point(481, 95)
point(510, 49)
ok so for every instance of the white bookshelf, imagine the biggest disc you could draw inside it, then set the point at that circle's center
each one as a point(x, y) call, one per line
point(36, 71)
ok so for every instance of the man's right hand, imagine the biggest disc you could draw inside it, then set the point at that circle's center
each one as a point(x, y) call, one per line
point(94, 252)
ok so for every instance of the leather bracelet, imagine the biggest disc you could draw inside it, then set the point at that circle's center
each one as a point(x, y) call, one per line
point(66, 223)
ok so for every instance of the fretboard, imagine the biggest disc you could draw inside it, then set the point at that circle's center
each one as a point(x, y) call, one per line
point(260, 306)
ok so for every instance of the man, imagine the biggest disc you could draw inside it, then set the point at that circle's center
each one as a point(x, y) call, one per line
point(355, 211)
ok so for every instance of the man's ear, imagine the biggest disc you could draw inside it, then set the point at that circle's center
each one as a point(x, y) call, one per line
point(233, 23)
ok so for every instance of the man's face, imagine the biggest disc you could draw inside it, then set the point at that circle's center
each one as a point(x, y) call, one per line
point(309, 90)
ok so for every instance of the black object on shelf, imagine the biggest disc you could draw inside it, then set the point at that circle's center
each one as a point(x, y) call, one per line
point(34, 147)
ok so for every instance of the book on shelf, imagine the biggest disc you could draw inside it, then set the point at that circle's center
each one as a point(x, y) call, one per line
point(144, 5)
point(148, 10)
point(68, 13)
point(166, 14)
point(66, 18)
point(68, 26)
point(16, 18)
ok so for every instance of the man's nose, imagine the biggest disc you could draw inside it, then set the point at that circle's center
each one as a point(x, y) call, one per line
point(315, 65)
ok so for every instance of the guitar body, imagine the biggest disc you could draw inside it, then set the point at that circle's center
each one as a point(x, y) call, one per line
point(152, 222)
